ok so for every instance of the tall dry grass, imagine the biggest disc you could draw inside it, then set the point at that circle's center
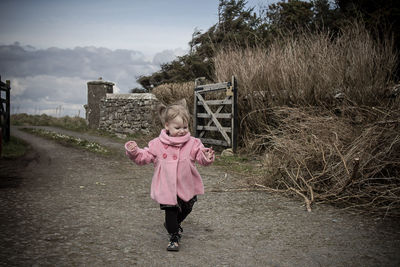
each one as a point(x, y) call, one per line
point(312, 69)
point(171, 92)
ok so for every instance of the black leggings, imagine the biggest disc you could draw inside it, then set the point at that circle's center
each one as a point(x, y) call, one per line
point(174, 216)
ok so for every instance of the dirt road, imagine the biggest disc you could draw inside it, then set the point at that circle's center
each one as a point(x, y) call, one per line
point(62, 206)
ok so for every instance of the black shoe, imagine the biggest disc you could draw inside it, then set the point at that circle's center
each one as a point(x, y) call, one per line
point(173, 244)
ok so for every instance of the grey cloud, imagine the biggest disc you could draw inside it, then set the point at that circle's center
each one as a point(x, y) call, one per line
point(120, 66)
point(67, 89)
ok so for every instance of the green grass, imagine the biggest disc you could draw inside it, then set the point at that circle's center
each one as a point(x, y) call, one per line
point(239, 164)
point(67, 140)
point(250, 168)
point(14, 148)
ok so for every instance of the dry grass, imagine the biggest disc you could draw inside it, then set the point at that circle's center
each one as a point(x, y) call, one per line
point(172, 92)
point(309, 70)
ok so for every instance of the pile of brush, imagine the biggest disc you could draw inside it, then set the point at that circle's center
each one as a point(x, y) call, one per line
point(350, 161)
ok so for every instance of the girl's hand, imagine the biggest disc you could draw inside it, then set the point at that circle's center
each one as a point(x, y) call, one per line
point(208, 153)
point(131, 146)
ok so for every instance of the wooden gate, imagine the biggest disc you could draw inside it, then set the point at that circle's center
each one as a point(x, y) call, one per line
point(221, 118)
point(5, 109)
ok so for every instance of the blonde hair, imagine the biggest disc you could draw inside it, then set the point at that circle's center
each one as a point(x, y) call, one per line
point(170, 112)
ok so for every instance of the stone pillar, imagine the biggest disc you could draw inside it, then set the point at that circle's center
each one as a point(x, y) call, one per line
point(96, 91)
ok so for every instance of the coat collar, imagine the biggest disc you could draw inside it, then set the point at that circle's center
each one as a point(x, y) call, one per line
point(173, 141)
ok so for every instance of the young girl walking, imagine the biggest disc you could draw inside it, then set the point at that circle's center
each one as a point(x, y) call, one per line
point(176, 181)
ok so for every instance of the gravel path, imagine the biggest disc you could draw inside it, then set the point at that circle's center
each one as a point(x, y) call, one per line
point(62, 206)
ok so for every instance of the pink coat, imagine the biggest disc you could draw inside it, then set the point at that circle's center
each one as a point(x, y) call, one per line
point(175, 173)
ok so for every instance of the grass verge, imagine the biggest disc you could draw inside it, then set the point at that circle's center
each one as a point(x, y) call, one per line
point(250, 169)
point(15, 148)
point(67, 140)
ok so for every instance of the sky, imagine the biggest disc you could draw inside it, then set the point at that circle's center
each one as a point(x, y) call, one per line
point(50, 49)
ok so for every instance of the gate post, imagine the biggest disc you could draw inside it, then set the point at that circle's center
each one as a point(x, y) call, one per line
point(195, 110)
point(8, 85)
point(5, 110)
point(234, 115)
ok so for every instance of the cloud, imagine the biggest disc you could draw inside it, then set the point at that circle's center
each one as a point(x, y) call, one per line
point(48, 78)
point(167, 56)
point(120, 66)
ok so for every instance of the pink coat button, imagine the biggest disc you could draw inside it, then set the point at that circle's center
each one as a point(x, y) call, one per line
point(164, 156)
point(174, 157)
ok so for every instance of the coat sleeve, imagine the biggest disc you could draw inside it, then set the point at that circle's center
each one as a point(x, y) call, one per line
point(197, 151)
point(140, 156)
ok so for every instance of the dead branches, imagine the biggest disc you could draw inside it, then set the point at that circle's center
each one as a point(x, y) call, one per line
point(324, 158)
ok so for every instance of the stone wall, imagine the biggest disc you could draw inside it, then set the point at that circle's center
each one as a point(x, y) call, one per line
point(127, 113)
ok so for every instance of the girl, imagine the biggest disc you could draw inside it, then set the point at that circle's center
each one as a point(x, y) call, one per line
point(176, 181)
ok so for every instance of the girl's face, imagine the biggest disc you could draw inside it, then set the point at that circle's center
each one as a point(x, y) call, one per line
point(177, 127)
